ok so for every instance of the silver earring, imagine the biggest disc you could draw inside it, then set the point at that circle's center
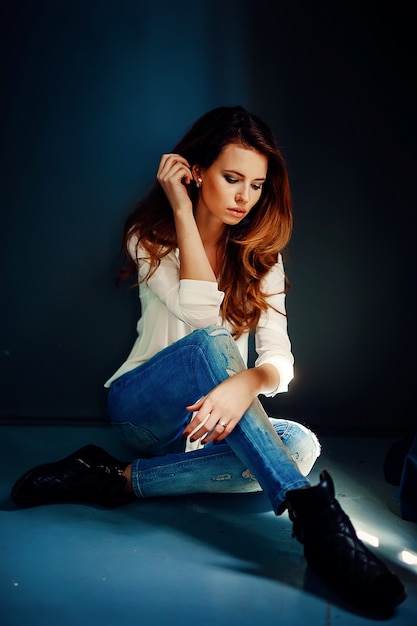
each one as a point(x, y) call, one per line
point(199, 182)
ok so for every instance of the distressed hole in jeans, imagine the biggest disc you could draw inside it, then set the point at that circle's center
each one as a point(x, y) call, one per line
point(307, 457)
point(223, 477)
point(247, 474)
point(220, 331)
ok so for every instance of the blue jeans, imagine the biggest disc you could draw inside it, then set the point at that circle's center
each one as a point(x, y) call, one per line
point(147, 407)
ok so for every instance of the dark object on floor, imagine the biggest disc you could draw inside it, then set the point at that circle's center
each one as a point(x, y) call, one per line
point(394, 461)
point(334, 551)
point(408, 485)
point(89, 475)
point(400, 469)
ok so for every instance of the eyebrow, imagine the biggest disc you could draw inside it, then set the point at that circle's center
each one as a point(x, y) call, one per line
point(242, 175)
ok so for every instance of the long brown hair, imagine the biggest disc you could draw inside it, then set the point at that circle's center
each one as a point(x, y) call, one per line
point(252, 246)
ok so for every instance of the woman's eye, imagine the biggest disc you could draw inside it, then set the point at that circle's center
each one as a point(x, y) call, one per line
point(232, 181)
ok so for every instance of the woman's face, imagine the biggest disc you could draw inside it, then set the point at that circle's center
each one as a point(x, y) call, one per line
point(232, 185)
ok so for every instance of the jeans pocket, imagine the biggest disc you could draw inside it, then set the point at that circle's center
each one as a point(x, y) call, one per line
point(139, 439)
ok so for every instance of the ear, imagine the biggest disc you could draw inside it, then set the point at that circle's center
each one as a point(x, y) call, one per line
point(196, 172)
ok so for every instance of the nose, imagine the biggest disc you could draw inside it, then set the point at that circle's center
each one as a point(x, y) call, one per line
point(242, 196)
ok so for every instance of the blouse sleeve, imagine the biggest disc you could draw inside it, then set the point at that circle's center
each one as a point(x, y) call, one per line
point(272, 343)
point(195, 302)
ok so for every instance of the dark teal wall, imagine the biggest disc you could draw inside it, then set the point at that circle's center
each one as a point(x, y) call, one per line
point(341, 87)
point(93, 93)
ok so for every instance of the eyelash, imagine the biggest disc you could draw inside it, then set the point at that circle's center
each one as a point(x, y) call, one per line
point(232, 181)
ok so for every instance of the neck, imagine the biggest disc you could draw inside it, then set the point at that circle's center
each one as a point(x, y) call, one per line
point(212, 236)
point(211, 230)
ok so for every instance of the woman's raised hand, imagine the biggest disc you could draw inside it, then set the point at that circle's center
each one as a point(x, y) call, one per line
point(174, 173)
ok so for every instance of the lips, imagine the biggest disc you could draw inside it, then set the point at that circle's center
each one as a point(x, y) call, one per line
point(237, 211)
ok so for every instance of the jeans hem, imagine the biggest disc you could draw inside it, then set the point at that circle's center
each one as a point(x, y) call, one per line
point(279, 500)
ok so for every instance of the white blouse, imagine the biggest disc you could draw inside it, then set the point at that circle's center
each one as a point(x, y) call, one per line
point(172, 308)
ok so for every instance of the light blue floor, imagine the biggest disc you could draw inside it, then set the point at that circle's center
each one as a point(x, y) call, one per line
point(204, 560)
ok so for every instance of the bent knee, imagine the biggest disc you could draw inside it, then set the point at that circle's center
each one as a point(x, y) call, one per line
point(302, 443)
point(308, 452)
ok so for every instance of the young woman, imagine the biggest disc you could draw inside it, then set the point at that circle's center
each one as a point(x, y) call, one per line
point(206, 246)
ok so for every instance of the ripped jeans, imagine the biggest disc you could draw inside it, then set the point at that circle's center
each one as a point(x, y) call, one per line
point(147, 408)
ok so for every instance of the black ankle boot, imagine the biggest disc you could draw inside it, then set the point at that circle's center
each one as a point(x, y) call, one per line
point(334, 551)
point(89, 475)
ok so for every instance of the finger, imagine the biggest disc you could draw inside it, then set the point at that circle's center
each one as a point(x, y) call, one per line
point(168, 160)
point(171, 156)
point(178, 157)
point(174, 172)
point(196, 406)
point(197, 427)
point(197, 418)
point(204, 423)
point(176, 176)
point(214, 435)
point(210, 427)
point(219, 432)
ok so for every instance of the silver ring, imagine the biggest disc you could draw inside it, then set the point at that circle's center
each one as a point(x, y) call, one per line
point(222, 424)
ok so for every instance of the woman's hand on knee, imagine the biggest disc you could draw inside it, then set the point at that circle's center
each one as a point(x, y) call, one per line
point(220, 410)
point(207, 423)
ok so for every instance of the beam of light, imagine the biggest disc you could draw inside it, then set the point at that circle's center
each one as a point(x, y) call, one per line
point(371, 539)
point(408, 557)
